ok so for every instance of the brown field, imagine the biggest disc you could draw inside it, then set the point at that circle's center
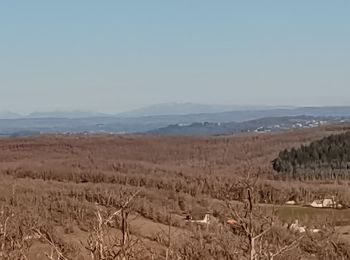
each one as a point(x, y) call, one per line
point(58, 183)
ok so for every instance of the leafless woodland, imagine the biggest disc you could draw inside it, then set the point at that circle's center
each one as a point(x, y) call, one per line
point(126, 197)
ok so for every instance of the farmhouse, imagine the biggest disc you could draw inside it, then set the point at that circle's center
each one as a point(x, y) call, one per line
point(291, 202)
point(200, 217)
point(325, 203)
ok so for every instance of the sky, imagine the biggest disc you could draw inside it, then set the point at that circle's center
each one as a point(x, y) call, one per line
point(112, 56)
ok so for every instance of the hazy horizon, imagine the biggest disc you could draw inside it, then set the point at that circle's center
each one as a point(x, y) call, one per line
point(171, 106)
point(115, 57)
point(233, 106)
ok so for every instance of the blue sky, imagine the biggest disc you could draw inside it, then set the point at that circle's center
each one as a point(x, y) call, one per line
point(112, 56)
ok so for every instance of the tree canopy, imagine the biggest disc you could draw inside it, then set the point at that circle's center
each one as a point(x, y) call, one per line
point(332, 152)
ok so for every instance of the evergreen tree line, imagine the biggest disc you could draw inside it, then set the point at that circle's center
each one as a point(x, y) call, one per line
point(331, 153)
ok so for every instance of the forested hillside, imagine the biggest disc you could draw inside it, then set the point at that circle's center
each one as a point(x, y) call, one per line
point(330, 153)
point(66, 192)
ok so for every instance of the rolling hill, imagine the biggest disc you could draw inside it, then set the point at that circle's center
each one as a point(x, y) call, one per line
point(217, 123)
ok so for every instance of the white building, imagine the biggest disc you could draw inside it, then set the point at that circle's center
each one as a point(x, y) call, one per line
point(325, 203)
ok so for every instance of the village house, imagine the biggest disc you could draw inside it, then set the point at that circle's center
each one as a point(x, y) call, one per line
point(325, 203)
point(200, 217)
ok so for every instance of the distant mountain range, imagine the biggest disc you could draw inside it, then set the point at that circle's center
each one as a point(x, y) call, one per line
point(8, 115)
point(219, 123)
point(164, 109)
point(218, 112)
point(66, 114)
point(189, 108)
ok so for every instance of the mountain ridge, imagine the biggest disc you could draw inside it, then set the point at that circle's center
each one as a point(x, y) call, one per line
point(167, 109)
point(212, 112)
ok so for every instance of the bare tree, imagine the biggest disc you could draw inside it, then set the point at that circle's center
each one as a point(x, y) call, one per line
point(103, 245)
point(56, 251)
point(14, 241)
point(255, 225)
point(165, 237)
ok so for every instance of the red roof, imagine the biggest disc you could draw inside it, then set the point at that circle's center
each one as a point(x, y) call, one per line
point(231, 221)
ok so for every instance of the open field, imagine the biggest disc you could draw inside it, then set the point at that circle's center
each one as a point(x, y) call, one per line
point(314, 215)
point(58, 183)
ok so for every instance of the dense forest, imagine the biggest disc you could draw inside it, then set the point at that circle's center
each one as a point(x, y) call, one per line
point(329, 155)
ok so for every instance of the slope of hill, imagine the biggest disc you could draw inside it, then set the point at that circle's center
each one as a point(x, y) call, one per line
point(263, 125)
point(65, 186)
